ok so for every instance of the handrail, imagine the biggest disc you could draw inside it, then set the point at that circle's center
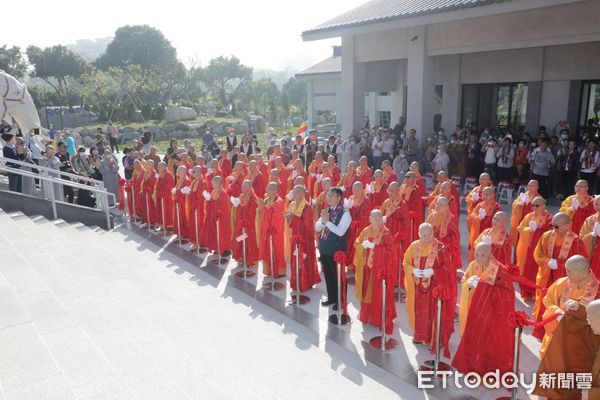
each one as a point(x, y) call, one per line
point(102, 202)
point(47, 169)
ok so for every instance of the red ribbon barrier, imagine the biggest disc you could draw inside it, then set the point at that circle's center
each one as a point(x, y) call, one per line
point(518, 319)
point(340, 257)
point(122, 183)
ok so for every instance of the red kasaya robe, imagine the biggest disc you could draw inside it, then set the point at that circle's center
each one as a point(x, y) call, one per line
point(246, 220)
point(225, 166)
point(217, 210)
point(259, 183)
point(487, 341)
point(272, 225)
point(379, 195)
point(530, 266)
point(360, 220)
point(302, 226)
point(180, 204)
point(148, 211)
point(396, 220)
point(364, 175)
point(196, 206)
point(412, 201)
point(134, 193)
point(164, 199)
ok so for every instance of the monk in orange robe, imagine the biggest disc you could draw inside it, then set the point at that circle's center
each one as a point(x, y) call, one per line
point(180, 203)
point(284, 173)
point(578, 206)
point(225, 163)
point(395, 218)
point(259, 181)
point(299, 217)
point(162, 196)
point(217, 211)
point(359, 206)
point(334, 171)
point(442, 177)
point(246, 206)
point(148, 183)
point(271, 226)
point(274, 177)
point(325, 173)
point(487, 298)
point(445, 229)
point(421, 187)
point(389, 175)
point(425, 268)
point(574, 349)
point(498, 237)
point(447, 189)
point(313, 170)
point(298, 170)
point(589, 233)
point(475, 196)
point(551, 253)
point(320, 203)
point(374, 257)
point(134, 197)
point(377, 190)
point(580, 286)
point(197, 202)
point(348, 179)
point(411, 199)
point(521, 207)
point(236, 178)
point(530, 230)
point(364, 171)
point(481, 216)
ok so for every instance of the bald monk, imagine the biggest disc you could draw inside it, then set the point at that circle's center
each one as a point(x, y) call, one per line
point(271, 226)
point(225, 163)
point(246, 206)
point(425, 267)
point(445, 230)
point(410, 197)
point(217, 210)
point(180, 192)
point(318, 184)
point(578, 206)
point(374, 257)
point(550, 254)
point(574, 349)
point(197, 205)
point(421, 186)
point(530, 231)
point(377, 190)
point(498, 237)
point(359, 206)
point(259, 181)
point(313, 170)
point(320, 202)
point(284, 174)
point(589, 233)
point(149, 212)
point(486, 301)
point(348, 179)
point(395, 218)
point(389, 175)
point(297, 170)
point(162, 196)
point(447, 189)
point(474, 197)
point(299, 217)
point(334, 170)
point(521, 207)
point(481, 216)
point(442, 177)
point(580, 286)
point(274, 176)
point(364, 171)
point(236, 178)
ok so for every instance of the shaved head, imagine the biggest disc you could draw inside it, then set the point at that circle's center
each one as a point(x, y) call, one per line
point(593, 316)
point(561, 219)
point(442, 201)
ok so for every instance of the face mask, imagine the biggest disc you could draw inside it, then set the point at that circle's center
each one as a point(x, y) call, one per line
point(564, 137)
point(453, 141)
point(95, 152)
point(401, 155)
point(403, 135)
point(81, 153)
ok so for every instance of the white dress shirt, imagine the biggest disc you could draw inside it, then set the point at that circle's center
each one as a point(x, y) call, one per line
point(340, 229)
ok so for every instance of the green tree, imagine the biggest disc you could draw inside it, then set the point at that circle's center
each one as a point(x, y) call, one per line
point(224, 78)
point(12, 61)
point(295, 91)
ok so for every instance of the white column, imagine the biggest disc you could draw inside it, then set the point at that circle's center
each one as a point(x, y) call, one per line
point(353, 89)
point(398, 97)
point(309, 102)
point(420, 84)
point(451, 99)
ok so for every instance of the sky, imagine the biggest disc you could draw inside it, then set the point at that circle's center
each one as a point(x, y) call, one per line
point(261, 33)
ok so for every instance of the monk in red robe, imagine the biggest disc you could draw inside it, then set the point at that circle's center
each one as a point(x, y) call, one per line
point(236, 178)
point(284, 174)
point(274, 177)
point(521, 207)
point(374, 257)
point(364, 171)
point(259, 181)
point(445, 229)
point(578, 206)
point(377, 190)
point(426, 267)
point(447, 190)
point(214, 170)
point(134, 199)
point(299, 217)
point(348, 179)
point(298, 170)
point(498, 237)
point(589, 233)
point(180, 203)
point(481, 216)
point(334, 171)
point(395, 218)
point(196, 205)
point(411, 199)
point(551, 253)
point(475, 196)
point(246, 206)
point(421, 187)
point(225, 163)
point(148, 184)
point(530, 231)
point(162, 196)
point(217, 214)
point(486, 301)
point(389, 175)
point(359, 206)
point(272, 226)
point(442, 177)
point(320, 203)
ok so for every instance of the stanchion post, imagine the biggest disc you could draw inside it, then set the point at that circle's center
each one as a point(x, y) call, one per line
point(196, 226)
point(218, 241)
point(516, 353)
point(297, 274)
point(133, 201)
point(383, 321)
point(244, 260)
point(178, 223)
point(435, 365)
point(339, 293)
point(271, 260)
point(164, 224)
point(148, 213)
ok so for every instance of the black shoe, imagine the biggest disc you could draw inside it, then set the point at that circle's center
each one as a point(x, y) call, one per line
point(327, 303)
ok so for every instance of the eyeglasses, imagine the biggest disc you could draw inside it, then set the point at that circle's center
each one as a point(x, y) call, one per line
point(555, 226)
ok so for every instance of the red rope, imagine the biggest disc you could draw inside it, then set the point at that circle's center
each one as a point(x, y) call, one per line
point(518, 319)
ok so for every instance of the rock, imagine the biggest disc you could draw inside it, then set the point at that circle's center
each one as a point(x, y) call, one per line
point(168, 128)
point(196, 127)
point(218, 130)
point(241, 127)
point(154, 129)
point(210, 124)
point(88, 141)
point(221, 114)
point(178, 113)
point(182, 127)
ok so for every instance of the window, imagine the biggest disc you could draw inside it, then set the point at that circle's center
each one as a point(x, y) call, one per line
point(590, 104)
point(384, 118)
point(494, 105)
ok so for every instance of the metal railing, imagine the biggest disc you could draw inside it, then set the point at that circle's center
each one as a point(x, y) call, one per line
point(51, 177)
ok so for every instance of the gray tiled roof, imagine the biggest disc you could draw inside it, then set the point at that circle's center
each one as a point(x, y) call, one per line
point(330, 65)
point(376, 11)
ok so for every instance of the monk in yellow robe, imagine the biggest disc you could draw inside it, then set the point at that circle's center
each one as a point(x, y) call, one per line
point(481, 216)
point(578, 206)
point(521, 207)
point(551, 254)
point(449, 191)
point(580, 286)
point(313, 170)
point(474, 197)
point(531, 229)
point(498, 237)
point(574, 349)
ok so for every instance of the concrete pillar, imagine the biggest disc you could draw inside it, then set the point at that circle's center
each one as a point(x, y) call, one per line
point(420, 84)
point(534, 101)
point(451, 100)
point(398, 96)
point(353, 89)
point(309, 102)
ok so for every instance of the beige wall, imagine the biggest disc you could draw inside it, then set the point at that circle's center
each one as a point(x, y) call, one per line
point(577, 61)
point(522, 65)
point(388, 45)
point(561, 24)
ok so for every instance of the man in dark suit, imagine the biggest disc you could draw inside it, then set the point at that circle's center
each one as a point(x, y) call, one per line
point(231, 140)
point(10, 150)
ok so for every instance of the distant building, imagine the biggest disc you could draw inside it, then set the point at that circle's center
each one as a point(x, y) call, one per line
point(480, 63)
